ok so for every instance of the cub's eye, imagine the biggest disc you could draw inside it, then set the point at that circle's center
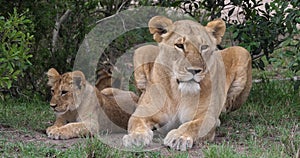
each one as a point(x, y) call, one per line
point(162, 31)
point(63, 93)
point(52, 91)
point(204, 47)
point(178, 45)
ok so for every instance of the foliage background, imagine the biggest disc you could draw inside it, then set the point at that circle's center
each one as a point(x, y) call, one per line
point(48, 34)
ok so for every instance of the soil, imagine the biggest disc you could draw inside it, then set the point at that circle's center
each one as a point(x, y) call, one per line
point(39, 137)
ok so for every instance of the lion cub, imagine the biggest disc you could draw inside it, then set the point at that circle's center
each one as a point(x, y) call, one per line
point(81, 109)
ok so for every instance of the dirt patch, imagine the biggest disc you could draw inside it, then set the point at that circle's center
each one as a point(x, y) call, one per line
point(115, 140)
point(11, 135)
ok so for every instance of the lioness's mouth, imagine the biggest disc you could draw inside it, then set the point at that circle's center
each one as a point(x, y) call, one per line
point(189, 87)
point(189, 81)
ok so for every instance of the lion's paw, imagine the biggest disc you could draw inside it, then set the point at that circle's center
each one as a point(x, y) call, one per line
point(138, 139)
point(49, 129)
point(178, 141)
point(57, 133)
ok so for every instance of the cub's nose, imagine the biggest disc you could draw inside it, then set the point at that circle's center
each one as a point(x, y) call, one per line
point(193, 70)
point(53, 105)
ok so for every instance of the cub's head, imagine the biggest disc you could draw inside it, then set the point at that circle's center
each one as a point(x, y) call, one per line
point(65, 90)
point(183, 46)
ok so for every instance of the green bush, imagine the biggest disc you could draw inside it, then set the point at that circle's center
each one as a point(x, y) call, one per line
point(259, 34)
point(15, 46)
point(260, 31)
point(61, 55)
point(265, 31)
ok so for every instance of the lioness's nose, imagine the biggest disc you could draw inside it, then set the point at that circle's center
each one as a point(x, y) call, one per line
point(194, 70)
point(53, 105)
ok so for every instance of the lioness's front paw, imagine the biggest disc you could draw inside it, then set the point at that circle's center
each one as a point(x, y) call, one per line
point(138, 138)
point(177, 140)
point(57, 133)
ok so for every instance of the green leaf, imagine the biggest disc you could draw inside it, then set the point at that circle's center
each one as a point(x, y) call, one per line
point(9, 83)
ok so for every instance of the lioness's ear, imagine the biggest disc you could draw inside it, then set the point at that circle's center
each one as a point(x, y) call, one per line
point(78, 79)
point(53, 76)
point(158, 26)
point(217, 28)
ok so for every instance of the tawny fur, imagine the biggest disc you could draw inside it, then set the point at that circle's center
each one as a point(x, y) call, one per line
point(144, 58)
point(104, 79)
point(185, 58)
point(81, 109)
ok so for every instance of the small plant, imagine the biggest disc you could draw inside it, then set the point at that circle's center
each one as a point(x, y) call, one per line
point(15, 46)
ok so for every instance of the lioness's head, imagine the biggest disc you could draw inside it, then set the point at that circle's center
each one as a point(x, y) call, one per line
point(182, 45)
point(64, 89)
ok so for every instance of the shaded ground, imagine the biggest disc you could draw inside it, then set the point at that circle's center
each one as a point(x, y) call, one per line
point(11, 135)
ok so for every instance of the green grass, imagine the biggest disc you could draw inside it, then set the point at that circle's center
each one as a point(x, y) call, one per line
point(266, 126)
point(25, 114)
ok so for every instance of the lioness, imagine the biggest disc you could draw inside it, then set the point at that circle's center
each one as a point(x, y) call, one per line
point(189, 83)
point(82, 110)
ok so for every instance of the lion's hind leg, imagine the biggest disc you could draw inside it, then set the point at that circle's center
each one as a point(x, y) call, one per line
point(143, 59)
point(239, 89)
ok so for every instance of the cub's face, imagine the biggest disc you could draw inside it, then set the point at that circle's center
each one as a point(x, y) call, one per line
point(65, 89)
point(62, 95)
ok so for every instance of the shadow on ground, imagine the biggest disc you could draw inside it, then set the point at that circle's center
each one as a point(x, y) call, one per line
point(12, 135)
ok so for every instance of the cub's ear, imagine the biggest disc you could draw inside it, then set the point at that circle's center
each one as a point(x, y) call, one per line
point(78, 79)
point(217, 28)
point(159, 26)
point(53, 76)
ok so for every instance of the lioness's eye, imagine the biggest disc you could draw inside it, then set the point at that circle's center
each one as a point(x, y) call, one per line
point(52, 91)
point(203, 47)
point(181, 46)
point(64, 93)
